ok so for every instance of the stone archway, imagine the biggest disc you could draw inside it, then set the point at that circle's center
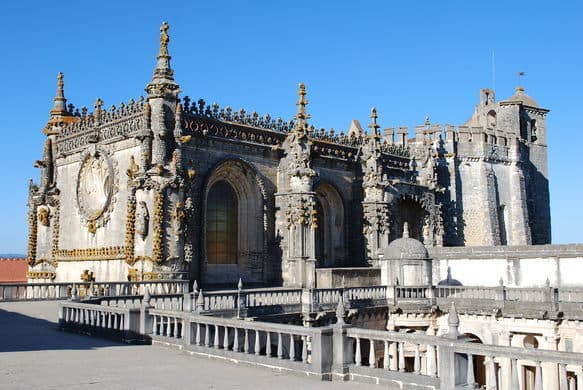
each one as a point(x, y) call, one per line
point(411, 211)
point(331, 232)
point(478, 362)
point(248, 260)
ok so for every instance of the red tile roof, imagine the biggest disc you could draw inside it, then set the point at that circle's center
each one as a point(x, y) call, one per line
point(13, 270)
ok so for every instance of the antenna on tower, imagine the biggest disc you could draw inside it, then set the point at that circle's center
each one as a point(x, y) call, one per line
point(493, 72)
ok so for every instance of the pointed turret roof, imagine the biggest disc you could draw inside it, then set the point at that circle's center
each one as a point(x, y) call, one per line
point(163, 84)
point(59, 101)
point(355, 128)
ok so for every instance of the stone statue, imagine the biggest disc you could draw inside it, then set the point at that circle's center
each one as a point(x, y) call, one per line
point(44, 215)
point(142, 219)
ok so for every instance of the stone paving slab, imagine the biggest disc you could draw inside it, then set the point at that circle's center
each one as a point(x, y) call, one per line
point(35, 355)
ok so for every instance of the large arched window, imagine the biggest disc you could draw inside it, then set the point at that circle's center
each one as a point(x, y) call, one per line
point(222, 224)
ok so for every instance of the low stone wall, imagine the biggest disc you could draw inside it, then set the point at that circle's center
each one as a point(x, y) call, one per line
point(351, 277)
point(524, 266)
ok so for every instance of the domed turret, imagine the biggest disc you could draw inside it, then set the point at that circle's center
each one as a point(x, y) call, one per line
point(406, 248)
point(406, 262)
point(520, 96)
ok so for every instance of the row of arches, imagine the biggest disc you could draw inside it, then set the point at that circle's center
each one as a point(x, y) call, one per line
point(238, 225)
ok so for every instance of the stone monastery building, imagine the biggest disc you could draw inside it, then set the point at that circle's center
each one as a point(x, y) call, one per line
point(167, 187)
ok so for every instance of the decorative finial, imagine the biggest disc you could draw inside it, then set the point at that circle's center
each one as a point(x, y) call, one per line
point(195, 287)
point(453, 322)
point(164, 39)
point(373, 126)
point(60, 103)
point(501, 282)
point(448, 274)
point(406, 230)
point(240, 285)
point(520, 75)
point(163, 84)
point(340, 311)
point(427, 121)
point(302, 116)
point(548, 282)
point(147, 297)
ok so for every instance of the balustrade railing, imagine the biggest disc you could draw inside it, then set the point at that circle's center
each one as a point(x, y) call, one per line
point(287, 347)
point(50, 291)
point(94, 319)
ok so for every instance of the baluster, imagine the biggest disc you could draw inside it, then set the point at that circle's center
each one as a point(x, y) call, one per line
point(235, 339)
point(174, 327)
point(563, 383)
point(226, 339)
point(514, 384)
point(182, 323)
point(216, 340)
point(357, 357)
point(207, 337)
point(292, 348)
point(538, 377)
point(246, 341)
point(155, 325)
point(279, 346)
point(492, 375)
point(197, 338)
point(470, 378)
point(115, 322)
point(401, 357)
point(417, 361)
point(168, 330)
point(257, 345)
point(386, 356)
point(371, 354)
point(304, 349)
point(431, 361)
point(579, 374)
point(268, 344)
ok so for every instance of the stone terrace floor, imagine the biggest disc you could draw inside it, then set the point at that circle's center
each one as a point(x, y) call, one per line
point(35, 355)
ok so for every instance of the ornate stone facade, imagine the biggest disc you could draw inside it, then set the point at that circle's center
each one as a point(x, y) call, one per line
point(128, 192)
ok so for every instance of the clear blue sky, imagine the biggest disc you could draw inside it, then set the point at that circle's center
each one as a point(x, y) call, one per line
point(409, 59)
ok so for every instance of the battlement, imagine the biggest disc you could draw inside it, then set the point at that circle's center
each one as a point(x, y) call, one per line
point(448, 133)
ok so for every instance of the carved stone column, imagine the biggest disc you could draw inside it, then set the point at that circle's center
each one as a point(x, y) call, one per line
point(375, 209)
point(297, 219)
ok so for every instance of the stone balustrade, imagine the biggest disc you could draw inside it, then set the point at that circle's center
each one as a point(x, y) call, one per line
point(56, 291)
point(284, 347)
point(113, 322)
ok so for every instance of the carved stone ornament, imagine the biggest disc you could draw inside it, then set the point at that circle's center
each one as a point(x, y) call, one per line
point(96, 187)
point(142, 219)
point(44, 215)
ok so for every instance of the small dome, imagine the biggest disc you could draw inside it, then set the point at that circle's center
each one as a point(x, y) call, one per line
point(449, 281)
point(406, 248)
point(520, 96)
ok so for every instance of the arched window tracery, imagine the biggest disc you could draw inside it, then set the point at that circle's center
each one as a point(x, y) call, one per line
point(222, 224)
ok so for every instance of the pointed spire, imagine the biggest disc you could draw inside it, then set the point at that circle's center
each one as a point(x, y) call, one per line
point(373, 126)
point(59, 101)
point(163, 83)
point(302, 116)
point(406, 230)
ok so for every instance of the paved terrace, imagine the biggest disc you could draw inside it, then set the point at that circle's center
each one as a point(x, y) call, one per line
point(35, 355)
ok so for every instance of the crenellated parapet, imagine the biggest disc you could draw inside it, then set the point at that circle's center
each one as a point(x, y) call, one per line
point(101, 125)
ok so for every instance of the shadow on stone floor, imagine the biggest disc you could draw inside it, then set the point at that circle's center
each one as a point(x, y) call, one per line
point(19, 333)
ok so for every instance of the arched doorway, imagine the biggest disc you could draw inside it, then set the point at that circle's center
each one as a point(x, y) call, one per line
point(330, 235)
point(233, 229)
point(410, 211)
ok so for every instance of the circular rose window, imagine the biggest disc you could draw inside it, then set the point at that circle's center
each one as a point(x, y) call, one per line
point(94, 186)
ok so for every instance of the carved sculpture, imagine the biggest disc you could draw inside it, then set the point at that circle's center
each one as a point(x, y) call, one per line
point(44, 215)
point(142, 219)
